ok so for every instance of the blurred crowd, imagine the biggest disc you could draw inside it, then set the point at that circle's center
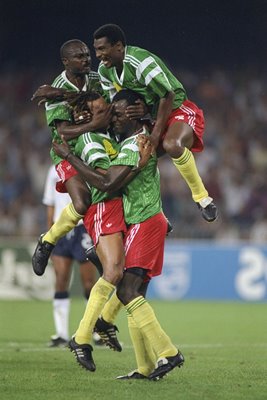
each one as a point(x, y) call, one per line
point(233, 164)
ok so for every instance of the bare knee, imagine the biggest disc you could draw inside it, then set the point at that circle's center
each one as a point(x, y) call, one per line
point(179, 136)
point(81, 204)
point(173, 146)
point(126, 294)
point(129, 287)
point(113, 272)
point(79, 193)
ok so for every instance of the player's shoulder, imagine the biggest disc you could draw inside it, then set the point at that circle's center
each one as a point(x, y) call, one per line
point(134, 52)
point(103, 71)
point(93, 75)
point(92, 137)
point(130, 143)
point(62, 82)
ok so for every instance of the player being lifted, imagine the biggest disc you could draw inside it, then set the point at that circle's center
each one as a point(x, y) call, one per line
point(179, 123)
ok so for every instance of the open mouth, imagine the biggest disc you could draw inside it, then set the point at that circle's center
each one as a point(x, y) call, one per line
point(106, 61)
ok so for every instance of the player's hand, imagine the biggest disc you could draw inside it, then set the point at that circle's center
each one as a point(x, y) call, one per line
point(61, 149)
point(82, 117)
point(47, 92)
point(139, 110)
point(146, 149)
point(101, 118)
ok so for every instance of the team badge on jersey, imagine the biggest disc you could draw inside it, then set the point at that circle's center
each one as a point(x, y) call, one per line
point(112, 153)
point(117, 86)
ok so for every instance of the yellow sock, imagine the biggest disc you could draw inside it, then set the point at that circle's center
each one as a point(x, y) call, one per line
point(144, 355)
point(98, 297)
point(111, 309)
point(188, 169)
point(147, 322)
point(67, 220)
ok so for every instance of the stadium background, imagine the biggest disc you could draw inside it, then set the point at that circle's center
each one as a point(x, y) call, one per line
point(218, 50)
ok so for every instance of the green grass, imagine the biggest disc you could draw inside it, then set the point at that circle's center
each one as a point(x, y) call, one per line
point(225, 346)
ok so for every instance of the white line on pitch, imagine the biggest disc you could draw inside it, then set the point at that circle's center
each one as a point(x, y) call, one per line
point(26, 346)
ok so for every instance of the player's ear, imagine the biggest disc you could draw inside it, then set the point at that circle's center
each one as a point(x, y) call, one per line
point(64, 61)
point(119, 46)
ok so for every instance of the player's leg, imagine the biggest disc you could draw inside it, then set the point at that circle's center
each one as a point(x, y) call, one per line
point(88, 275)
point(167, 355)
point(80, 242)
point(61, 301)
point(147, 250)
point(105, 326)
point(74, 212)
point(129, 288)
point(111, 254)
point(105, 330)
point(178, 141)
point(93, 257)
point(144, 355)
point(105, 224)
point(67, 220)
point(141, 311)
point(113, 305)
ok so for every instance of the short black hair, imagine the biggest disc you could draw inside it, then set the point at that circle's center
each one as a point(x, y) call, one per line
point(79, 100)
point(112, 32)
point(129, 95)
point(65, 48)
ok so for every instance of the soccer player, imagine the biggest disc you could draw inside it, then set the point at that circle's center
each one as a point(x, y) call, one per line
point(76, 77)
point(104, 222)
point(179, 123)
point(68, 249)
point(144, 241)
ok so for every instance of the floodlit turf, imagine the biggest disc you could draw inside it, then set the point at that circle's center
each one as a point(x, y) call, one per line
point(224, 344)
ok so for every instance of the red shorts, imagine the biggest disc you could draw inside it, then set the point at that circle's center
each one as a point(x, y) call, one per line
point(144, 245)
point(105, 218)
point(65, 171)
point(190, 114)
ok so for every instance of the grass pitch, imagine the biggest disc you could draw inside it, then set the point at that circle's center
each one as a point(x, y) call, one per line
point(224, 344)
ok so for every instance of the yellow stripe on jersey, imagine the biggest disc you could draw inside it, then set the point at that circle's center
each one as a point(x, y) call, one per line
point(112, 153)
point(117, 86)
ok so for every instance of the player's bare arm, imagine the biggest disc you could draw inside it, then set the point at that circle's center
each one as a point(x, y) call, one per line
point(100, 120)
point(164, 110)
point(100, 180)
point(112, 179)
point(146, 150)
point(48, 92)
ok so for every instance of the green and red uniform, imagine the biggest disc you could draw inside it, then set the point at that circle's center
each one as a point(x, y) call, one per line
point(147, 74)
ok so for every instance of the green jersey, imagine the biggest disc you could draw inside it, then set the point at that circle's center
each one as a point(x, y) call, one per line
point(60, 111)
point(97, 150)
point(144, 73)
point(141, 197)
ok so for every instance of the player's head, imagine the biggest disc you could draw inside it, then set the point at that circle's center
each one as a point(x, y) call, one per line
point(76, 57)
point(89, 101)
point(109, 44)
point(123, 125)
